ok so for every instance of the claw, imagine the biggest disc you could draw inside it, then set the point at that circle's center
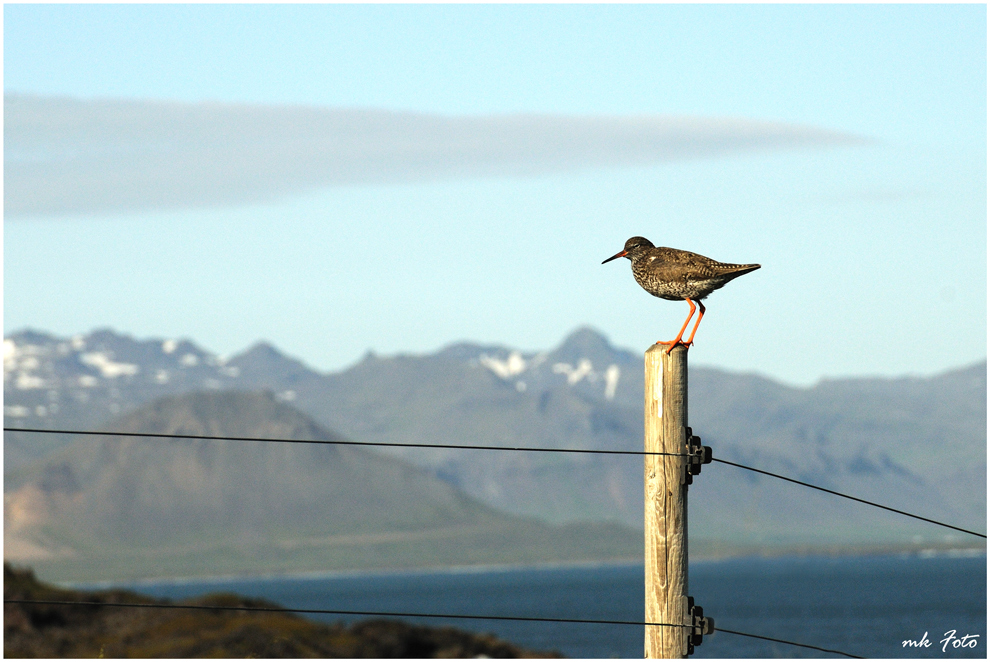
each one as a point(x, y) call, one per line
point(673, 344)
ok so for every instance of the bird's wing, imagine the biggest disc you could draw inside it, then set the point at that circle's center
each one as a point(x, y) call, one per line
point(685, 265)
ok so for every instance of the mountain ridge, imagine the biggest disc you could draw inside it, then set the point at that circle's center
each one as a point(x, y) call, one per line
point(877, 438)
point(125, 504)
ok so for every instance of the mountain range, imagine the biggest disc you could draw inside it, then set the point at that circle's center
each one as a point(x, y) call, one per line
point(917, 444)
point(119, 506)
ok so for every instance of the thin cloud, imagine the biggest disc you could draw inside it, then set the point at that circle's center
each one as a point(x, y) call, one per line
point(74, 156)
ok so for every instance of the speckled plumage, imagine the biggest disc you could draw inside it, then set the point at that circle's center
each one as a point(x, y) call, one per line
point(673, 274)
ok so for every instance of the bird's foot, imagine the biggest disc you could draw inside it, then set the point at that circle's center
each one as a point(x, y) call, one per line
point(673, 344)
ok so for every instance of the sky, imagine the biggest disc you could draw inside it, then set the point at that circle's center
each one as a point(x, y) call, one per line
point(336, 179)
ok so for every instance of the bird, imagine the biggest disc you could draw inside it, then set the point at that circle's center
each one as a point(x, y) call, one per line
point(672, 274)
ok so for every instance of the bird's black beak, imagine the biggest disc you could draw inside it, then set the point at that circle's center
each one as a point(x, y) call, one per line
point(619, 254)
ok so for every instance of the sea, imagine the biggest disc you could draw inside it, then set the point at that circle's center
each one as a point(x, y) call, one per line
point(898, 606)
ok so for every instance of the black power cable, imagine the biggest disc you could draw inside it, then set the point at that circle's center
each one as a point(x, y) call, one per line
point(344, 443)
point(784, 641)
point(408, 615)
point(846, 496)
point(490, 448)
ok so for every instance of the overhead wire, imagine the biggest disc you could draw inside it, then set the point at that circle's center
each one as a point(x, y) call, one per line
point(346, 612)
point(489, 448)
point(847, 496)
point(347, 443)
point(784, 641)
point(460, 447)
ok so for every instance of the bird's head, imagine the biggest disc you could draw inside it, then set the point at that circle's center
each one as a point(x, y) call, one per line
point(633, 248)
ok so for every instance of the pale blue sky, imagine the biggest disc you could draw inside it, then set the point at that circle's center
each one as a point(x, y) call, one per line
point(873, 245)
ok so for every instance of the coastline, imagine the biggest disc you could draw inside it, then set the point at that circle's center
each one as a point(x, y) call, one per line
point(761, 555)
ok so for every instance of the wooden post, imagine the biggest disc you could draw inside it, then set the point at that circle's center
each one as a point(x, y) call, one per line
point(665, 417)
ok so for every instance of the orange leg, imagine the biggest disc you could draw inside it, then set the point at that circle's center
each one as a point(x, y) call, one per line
point(677, 341)
point(701, 314)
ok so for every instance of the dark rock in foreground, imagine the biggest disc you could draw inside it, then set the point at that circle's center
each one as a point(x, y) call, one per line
point(118, 632)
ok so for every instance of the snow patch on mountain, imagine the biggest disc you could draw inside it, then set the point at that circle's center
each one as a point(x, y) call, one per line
point(107, 366)
point(20, 362)
point(99, 374)
point(574, 375)
point(611, 381)
point(9, 354)
point(585, 371)
point(512, 366)
point(26, 381)
point(515, 364)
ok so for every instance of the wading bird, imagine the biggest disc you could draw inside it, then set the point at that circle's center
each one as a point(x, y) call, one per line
point(672, 274)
